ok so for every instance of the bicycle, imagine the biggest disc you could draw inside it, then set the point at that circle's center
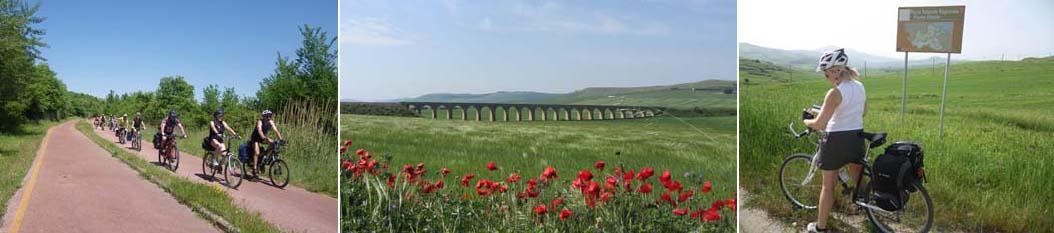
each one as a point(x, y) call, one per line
point(168, 155)
point(137, 142)
point(271, 162)
point(802, 190)
point(230, 165)
point(120, 135)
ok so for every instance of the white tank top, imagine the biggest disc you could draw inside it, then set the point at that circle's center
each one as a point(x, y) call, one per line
point(850, 113)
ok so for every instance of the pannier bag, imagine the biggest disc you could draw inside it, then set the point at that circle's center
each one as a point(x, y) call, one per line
point(243, 152)
point(205, 145)
point(895, 172)
point(157, 140)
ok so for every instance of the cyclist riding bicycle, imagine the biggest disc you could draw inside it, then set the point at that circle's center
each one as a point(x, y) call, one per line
point(259, 136)
point(168, 126)
point(216, 129)
point(122, 124)
point(137, 124)
point(842, 117)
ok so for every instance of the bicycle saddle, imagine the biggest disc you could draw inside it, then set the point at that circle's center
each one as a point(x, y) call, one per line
point(877, 139)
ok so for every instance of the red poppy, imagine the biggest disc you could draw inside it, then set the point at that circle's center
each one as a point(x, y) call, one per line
point(644, 188)
point(599, 165)
point(665, 177)
point(466, 179)
point(360, 152)
point(593, 189)
point(439, 184)
point(391, 181)
point(706, 187)
point(540, 210)
point(628, 175)
point(556, 203)
point(585, 175)
point(697, 213)
point(444, 171)
point(675, 185)
point(549, 173)
point(646, 173)
point(666, 198)
point(564, 214)
point(343, 149)
point(717, 205)
point(483, 187)
point(711, 215)
point(611, 182)
point(347, 143)
point(685, 196)
point(491, 166)
point(502, 188)
point(731, 204)
point(680, 212)
point(531, 183)
point(347, 165)
point(607, 196)
point(577, 184)
point(513, 178)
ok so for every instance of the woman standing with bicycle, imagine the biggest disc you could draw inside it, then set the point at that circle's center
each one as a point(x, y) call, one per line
point(842, 117)
point(259, 136)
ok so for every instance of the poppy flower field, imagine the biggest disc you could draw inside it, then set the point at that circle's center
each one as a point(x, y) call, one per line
point(639, 179)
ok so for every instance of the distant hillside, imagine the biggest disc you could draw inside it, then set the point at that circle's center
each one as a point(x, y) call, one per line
point(806, 59)
point(702, 94)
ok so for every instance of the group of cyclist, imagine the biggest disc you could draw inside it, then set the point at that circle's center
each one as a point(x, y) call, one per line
point(119, 124)
point(218, 127)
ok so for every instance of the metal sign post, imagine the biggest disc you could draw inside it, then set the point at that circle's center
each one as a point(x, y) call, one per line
point(944, 94)
point(904, 93)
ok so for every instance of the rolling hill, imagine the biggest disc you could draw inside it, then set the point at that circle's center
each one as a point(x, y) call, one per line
point(702, 94)
point(806, 59)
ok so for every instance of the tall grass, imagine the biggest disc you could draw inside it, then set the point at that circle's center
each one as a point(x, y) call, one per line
point(17, 152)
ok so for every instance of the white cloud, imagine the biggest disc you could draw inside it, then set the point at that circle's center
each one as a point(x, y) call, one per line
point(370, 31)
point(554, 17)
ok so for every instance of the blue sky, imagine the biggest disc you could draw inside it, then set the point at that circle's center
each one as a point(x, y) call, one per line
point(127, 46)
point(410, 48)
point(992, 28)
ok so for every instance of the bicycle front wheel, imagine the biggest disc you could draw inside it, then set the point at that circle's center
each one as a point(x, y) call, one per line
point(233, 172)
point(916, 216)
point(800, 187)
point(279, 174)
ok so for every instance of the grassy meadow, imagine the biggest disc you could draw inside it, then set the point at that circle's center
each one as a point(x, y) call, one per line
point(991, 171)
point(693, 149)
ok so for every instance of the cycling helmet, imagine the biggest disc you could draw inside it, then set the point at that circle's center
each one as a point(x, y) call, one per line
point(138, 114)
point(126, 115)
point(172, 113)
point(833, 58)
point(218, 112)
point(267, 113)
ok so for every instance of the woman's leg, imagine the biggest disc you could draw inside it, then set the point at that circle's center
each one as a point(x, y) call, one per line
point(830, 177)
point(256, 157)
point(218, 146)
point(854, 171)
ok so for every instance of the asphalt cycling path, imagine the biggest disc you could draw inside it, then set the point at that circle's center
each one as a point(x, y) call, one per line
point(292, 209)
point(76, 186)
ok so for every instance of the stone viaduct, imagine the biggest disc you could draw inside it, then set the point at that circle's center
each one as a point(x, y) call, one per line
point(550, 112)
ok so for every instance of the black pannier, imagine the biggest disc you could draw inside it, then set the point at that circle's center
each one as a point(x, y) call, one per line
point(894, 173)
point(157, 140)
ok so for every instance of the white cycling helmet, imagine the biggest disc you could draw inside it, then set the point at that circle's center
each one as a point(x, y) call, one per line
point(266, 113)
point(833, 58)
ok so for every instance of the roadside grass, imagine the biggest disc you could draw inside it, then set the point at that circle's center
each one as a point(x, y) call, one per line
point(210, 198)
point(693, 149)
point(990, 172)
point(17, 152)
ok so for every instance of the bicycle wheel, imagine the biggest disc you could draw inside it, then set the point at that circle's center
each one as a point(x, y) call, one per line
point(206, 168)
point(800, 192)
point(174, 154)
point(233, 171)
point(279, 174)
point(916, 216)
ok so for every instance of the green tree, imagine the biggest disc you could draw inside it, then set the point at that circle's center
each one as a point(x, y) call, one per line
point(175, 93)
point(45, 96)
point(20, 44)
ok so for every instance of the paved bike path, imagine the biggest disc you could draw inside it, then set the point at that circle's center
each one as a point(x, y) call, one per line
point(79, 187)
point(292, 209)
